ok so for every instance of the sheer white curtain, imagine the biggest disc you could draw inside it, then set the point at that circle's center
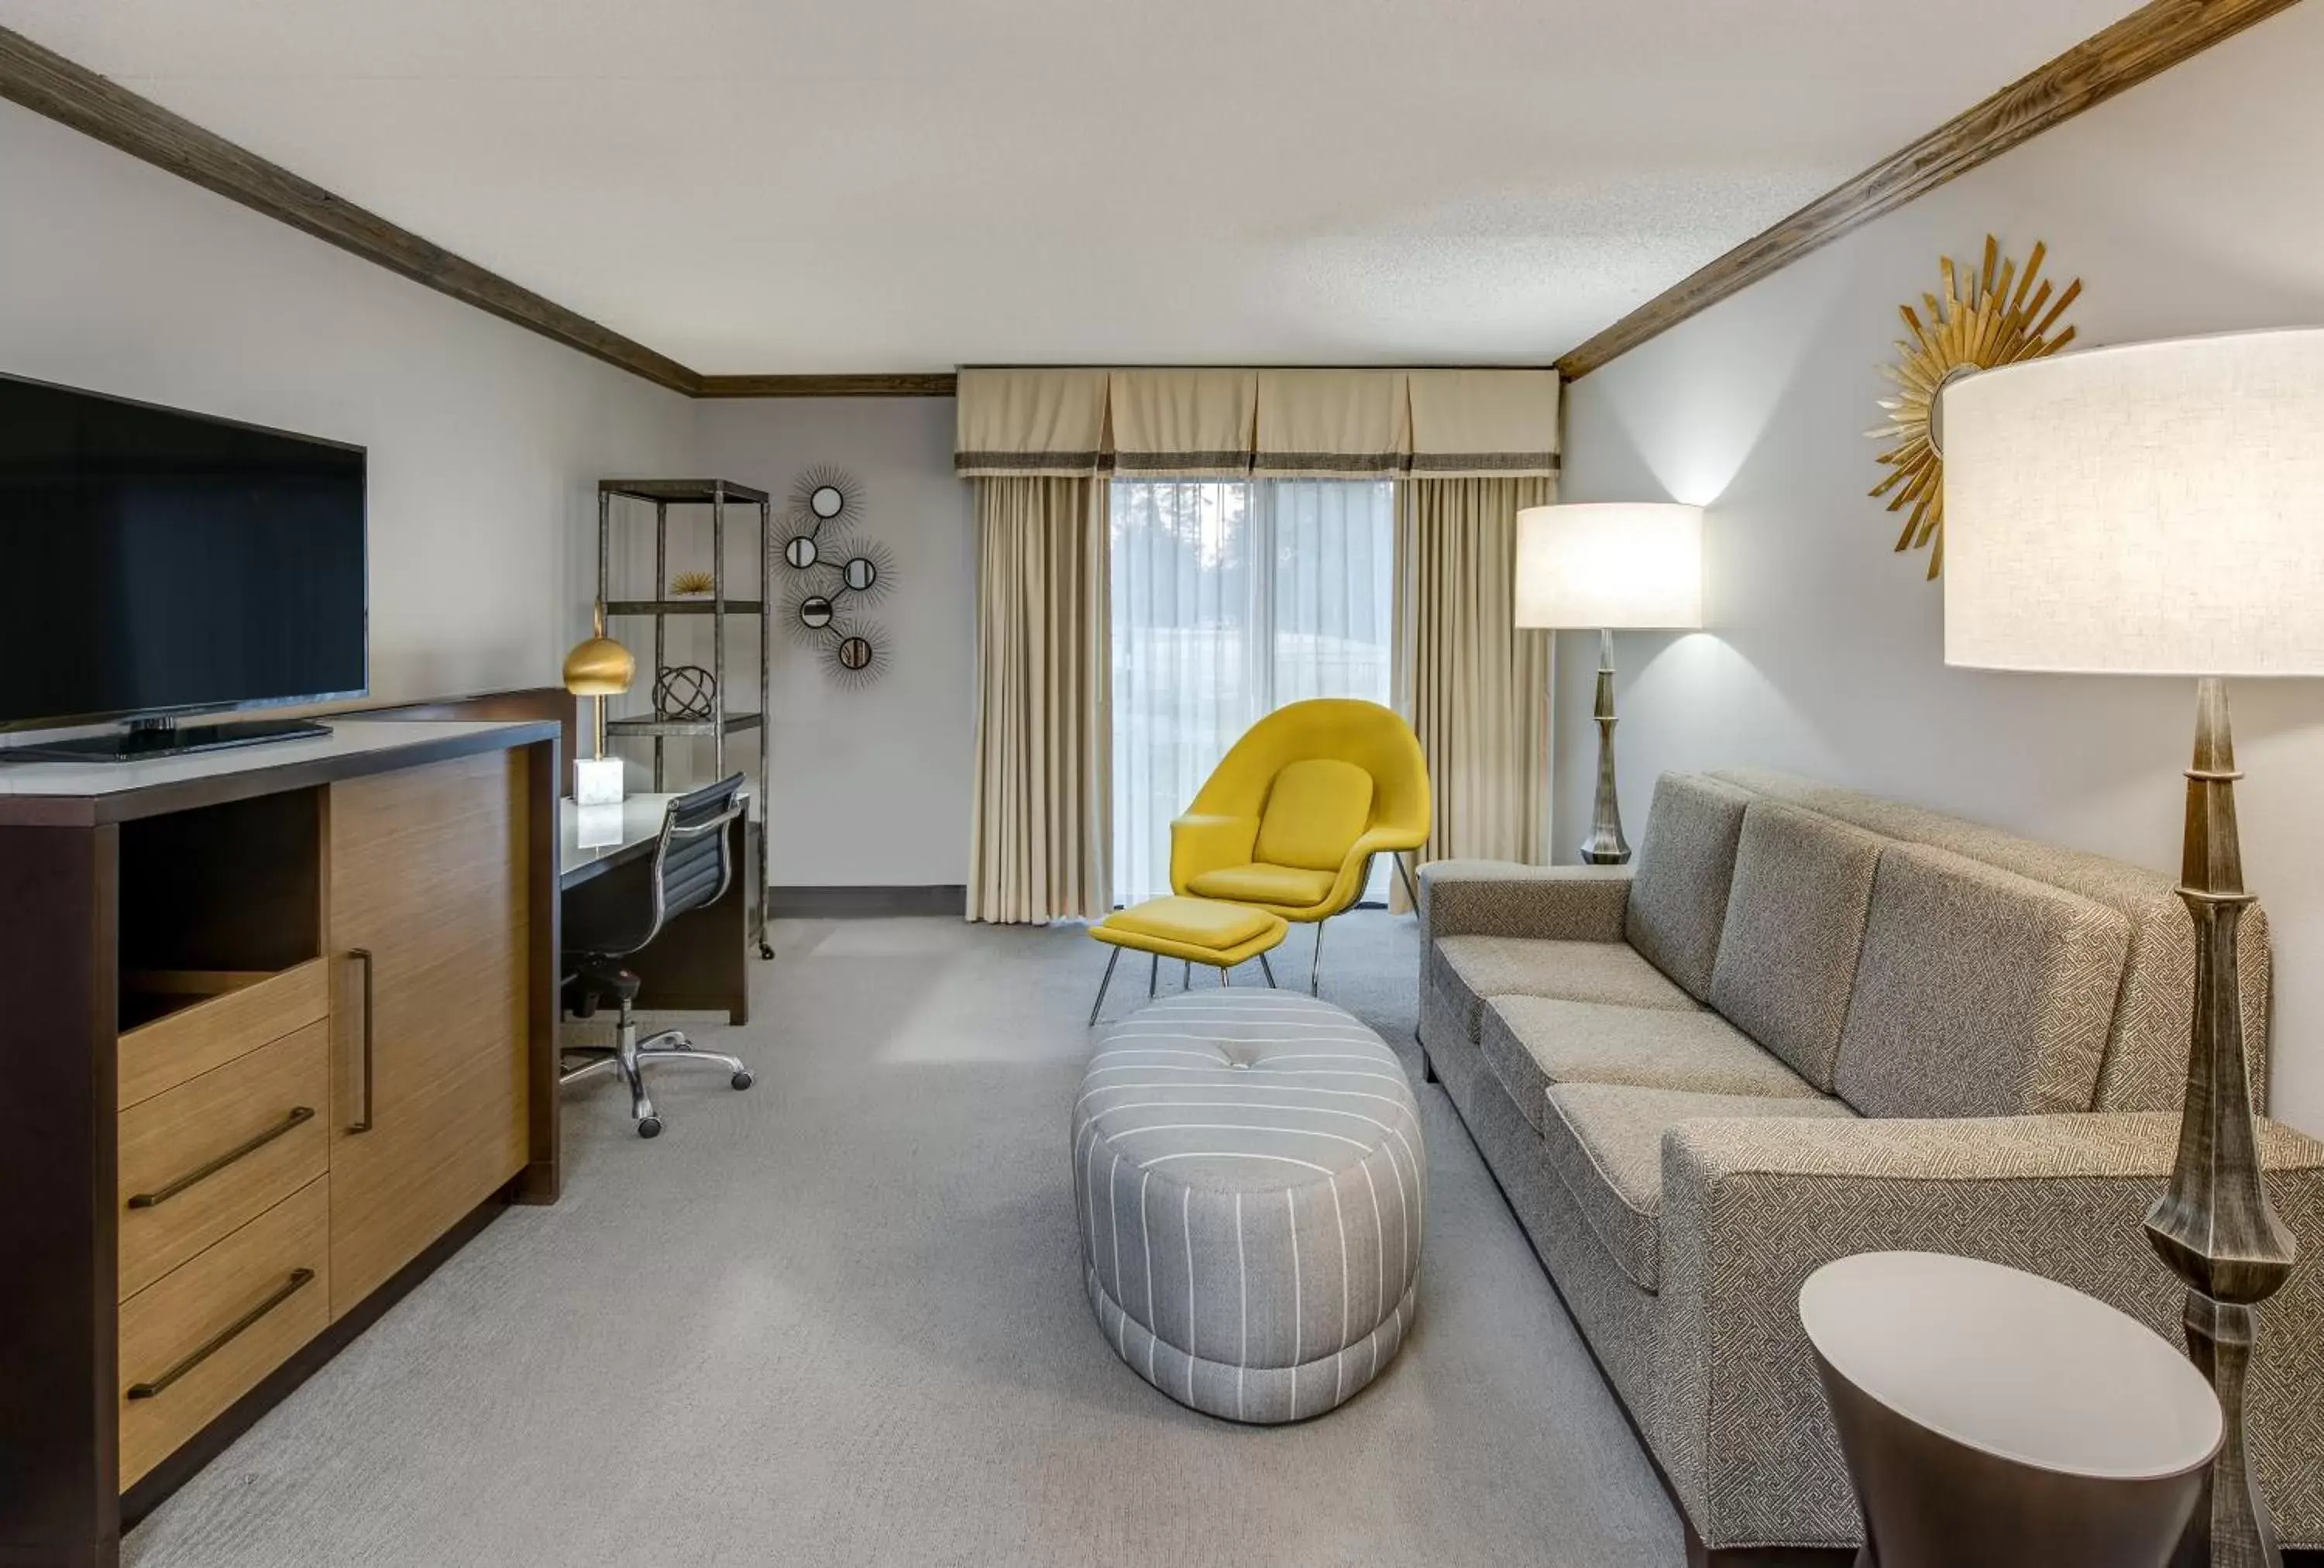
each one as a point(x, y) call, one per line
point(1232, 598)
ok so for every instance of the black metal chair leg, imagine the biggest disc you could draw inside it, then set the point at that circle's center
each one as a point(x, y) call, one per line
point(1096, 1006)
point(1268, 970)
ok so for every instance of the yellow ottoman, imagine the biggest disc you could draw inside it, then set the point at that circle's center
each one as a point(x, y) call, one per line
point(1194, 930)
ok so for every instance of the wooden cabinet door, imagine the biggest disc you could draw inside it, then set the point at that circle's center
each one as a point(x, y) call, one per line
point(426, 875)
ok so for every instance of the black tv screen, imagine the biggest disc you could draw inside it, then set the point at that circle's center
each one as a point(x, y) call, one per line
point(161, 562)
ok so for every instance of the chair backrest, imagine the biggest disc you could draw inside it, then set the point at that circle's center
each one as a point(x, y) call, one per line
point(691, 864)
point(1338, 729)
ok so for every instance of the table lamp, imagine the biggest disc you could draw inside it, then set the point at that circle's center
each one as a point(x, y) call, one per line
point(598, 668)
point(2158, 509)
point(1615, 565)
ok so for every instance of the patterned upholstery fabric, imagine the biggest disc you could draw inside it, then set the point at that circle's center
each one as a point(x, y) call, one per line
point(1618, 1319)
point(1605, 1141)
point(1502, 898)
point(1795, 925)
point(1251, 1190)
point(1981, 993)
point(2145, 1065)
point(1678, 896)
point(1532, 1043)
point(1751, 1208)
point(1474, 968)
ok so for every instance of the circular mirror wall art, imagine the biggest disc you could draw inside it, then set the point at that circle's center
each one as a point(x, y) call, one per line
point(840, 576)
point(1989, 315)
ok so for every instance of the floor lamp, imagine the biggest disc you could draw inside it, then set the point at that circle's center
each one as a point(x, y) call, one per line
point(2158, 509)
point(1613, 566)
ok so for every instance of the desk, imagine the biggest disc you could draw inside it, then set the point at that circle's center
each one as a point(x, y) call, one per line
point(700, 961)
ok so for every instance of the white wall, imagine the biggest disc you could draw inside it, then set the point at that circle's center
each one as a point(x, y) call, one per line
point(872, 785)
point(2186, 205)
point(486, 440)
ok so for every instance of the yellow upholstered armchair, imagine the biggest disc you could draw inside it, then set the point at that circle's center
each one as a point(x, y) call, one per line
point(1290, 820)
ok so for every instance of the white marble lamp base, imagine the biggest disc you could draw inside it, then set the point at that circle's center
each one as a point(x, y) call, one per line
point(597, 781)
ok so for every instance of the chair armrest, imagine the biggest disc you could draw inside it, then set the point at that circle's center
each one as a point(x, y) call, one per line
point(1502, 898)
point(1200, 843)
point(1751, 1209)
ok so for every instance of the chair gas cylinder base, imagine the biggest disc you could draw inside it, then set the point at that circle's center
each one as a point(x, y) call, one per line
point(1192, 930)
point(1996, 1418)
point(608, 919)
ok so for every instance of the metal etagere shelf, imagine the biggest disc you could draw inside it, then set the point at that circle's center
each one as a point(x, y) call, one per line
point(717, 495)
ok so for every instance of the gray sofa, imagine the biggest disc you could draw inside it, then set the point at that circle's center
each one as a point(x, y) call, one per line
point(1814, 1023)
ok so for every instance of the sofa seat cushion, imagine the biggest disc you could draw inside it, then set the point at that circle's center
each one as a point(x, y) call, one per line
point(1605, 1142)
point(1469, 969)
point(1980, 992)
point(1294, 887)
point(1534, 1043)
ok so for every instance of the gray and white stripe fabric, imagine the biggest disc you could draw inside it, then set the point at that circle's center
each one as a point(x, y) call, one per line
point(1252, 1193)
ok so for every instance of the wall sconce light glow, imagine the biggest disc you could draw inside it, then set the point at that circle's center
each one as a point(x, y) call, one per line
point(1610, 565)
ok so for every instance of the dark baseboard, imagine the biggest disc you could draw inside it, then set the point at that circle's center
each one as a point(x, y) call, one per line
point(155, 1487)
point(858, 903)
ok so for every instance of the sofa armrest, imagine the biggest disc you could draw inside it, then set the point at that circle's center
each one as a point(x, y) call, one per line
point(1481, 897)
point(1201, 843)
point(1751, 1209)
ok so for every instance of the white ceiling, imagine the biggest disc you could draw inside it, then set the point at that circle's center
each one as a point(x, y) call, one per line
point(869, 185)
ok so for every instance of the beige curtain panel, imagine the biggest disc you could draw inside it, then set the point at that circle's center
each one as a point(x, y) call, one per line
point(1484, 423)
point(1042, 826)
point(1280, 424)
point(1030, 422)
point(1475, 687)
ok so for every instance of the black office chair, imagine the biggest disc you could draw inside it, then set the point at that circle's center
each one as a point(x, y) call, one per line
point(613, 916)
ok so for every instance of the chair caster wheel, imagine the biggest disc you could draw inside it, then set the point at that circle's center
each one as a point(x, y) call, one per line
point(649, 1127)
point(741, 1080)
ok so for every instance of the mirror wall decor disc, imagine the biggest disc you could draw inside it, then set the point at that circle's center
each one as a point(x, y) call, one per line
point(801, 551)
point(815, 611)
point(854, 652)
point(860, 573)
point(826, 502)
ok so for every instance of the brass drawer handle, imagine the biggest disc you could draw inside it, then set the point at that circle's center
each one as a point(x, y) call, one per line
point(300, 1279)
point(162, 1194)
point(362, 1123)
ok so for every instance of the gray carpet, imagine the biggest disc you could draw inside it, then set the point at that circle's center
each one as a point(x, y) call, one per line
point(839, 1320)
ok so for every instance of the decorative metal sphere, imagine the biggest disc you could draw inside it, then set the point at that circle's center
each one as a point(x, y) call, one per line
point(685, 692)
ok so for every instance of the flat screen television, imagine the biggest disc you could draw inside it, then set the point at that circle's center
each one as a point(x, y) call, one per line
point(160, 564)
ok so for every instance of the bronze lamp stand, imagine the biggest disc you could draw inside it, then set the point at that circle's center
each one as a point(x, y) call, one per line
point(1605, 846)
point(2214, 1226)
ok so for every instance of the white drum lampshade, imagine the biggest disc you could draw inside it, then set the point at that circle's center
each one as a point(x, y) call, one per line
point(1610, 565)
point(2156, 509)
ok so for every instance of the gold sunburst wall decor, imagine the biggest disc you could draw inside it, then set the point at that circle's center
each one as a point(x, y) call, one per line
point(1993, 316)
point(692, 585)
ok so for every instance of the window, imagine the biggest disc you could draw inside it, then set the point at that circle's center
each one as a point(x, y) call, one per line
point(1232, 598)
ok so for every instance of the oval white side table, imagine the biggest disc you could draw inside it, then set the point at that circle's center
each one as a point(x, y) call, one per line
point(1996, 1418)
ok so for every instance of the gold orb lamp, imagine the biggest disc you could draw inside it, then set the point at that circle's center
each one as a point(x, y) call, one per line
point(599, 668)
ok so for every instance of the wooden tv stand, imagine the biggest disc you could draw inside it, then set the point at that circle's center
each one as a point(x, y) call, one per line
point(278, 1033)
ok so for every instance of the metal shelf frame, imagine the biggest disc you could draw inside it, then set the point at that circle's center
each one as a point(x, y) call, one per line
point(717, 495)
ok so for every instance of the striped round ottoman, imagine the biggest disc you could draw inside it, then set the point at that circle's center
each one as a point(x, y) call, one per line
point(1251, 1188)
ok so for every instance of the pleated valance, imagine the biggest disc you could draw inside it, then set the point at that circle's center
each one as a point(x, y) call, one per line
point(1209, 423)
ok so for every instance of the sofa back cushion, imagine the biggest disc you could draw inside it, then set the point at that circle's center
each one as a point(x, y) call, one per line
point(1795, 929)
point(1316, 809)
point(1979, 992)
point(1678, 900)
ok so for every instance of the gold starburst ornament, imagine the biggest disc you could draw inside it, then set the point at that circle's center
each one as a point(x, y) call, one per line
point(691, 584)
point(2002, 316)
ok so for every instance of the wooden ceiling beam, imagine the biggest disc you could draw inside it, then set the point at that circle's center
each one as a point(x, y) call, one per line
point(931, 384)
point(48, 84)
point(2150, 40)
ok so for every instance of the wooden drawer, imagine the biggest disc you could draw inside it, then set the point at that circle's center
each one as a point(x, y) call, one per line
point(204, 1336)
point(165, 1053)
point(199, 1160)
